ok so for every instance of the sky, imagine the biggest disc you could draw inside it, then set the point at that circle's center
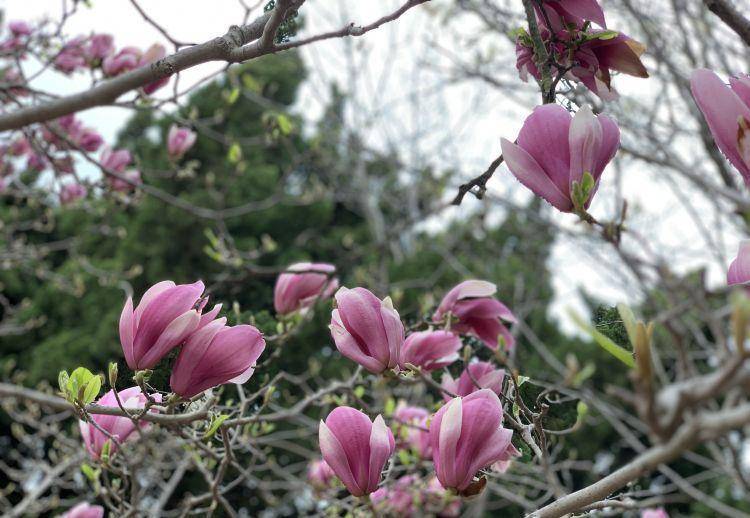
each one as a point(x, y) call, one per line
point(404, 100)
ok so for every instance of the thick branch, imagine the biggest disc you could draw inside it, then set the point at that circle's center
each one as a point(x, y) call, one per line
point(703, 427)
point(731, 16)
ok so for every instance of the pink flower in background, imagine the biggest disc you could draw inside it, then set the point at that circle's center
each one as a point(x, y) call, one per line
point(355, 448)
point(554, 150)
point(36, 162)
point(99, 47)
point(119, 427)
point(739, 269)
point(466, 435)
point(179, 140)
point(72, 56)
point(89, 140)
point(430, 350)
point(166, 315)
point(367, 330)
point(727, 113)
point(71, 192)
point(412, 428)
point(478, 375)
point(123, 61)
point(19, 28)
point(84, 510)
point(115, 160)
point(297, 291)
point(479, 314)
point(130, 179)
point(20, 146)
point(154, 53)
point(216, 354)
point(658, 512)
point(398, 499)
point(319, 474)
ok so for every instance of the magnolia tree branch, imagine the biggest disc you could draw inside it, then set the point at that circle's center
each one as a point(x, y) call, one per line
point(239, 44)
point(731, 16)
point(704, 427)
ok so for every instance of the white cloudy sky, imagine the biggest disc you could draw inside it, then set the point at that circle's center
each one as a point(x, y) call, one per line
point(398, 107)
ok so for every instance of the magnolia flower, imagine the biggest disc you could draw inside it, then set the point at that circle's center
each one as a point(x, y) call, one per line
point(115, 160)
point(19, 28)
point(413, 428)
point(71, 57)
point(297, 291)
point(319, 474)
point(596, 53)
point(574, 12)
point(561, 158)
point(124, 61)
point(99, 47)
point(179, 140)
point(367, 330)
point(119, 427)
point(398, 499)
point(216, 354)
point(727, 113)
point(71, 192)
point(479, 314)
point(84, 510)
point(739, 269)
point(166, 315)
point(355, 448)
point(657, 512)
point(478, 375)
point(430, 350)
point(466, 435)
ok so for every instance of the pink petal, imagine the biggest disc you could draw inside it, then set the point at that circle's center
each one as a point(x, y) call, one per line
point(335, 456)
point(127, 331)
point(172, 336)
point(585, 141)
point(382, 445)
point(739, 269)
point(531, 175)
point(544, 136)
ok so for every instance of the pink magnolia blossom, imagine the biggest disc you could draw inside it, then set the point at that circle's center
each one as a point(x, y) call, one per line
point(366, 329)
point(477, 312)
point(119, 427)
point(466, 435)
point(593, 59)
point(84, 510)
point(739, 269)
point(727, 113)
point(179, 140)
point(166, 315)
point(413, 429)
point(71, 192)
point(125, 60)
point(36, 162)
point(574, 12)
point(398, 499)
point(99, 47)
point(554, 150)
point(319, 474)
point(154, 53)
point(130, 179)
point(115, 160)
point(430, 350)
point(655, 512)
point(216, 354)
point(478, 375)
point(297, 291)
point(355, 448)
point(72, 56)
point(19, 28)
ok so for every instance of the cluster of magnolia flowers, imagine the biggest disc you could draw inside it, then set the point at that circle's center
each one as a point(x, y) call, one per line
point(463, 437)
point(51, 146)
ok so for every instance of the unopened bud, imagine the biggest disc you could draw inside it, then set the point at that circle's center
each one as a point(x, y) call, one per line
point(642, 348)
point(112, 374)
